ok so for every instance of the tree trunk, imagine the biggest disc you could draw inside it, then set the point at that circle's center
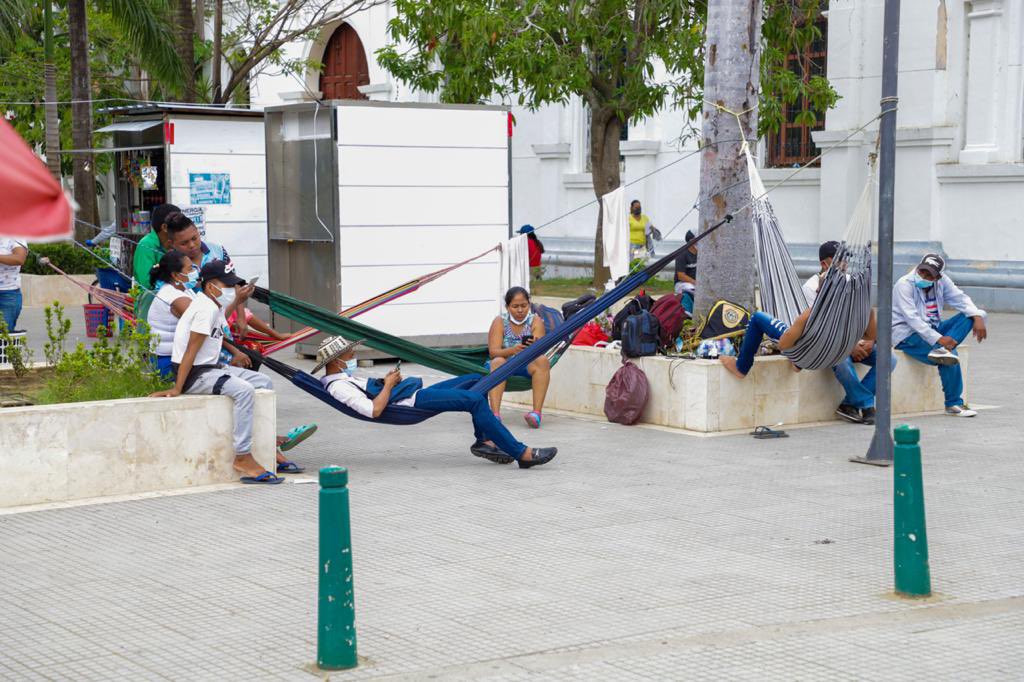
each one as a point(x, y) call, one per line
point(81, 118)
point(185, 47)
point(726, 267)
point(605, 128)
point(50, 90)
point(218, 29)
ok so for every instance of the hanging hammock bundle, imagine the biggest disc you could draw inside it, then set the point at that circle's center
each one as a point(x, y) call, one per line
point(781, 294)
point(842, 310)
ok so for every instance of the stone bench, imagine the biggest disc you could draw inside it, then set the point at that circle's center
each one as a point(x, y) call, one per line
point(700, 395)
point(54, 453)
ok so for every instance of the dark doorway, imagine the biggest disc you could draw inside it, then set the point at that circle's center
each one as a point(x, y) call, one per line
point(345, 66)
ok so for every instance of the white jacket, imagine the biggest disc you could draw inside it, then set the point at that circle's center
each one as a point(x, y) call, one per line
point(909, 315)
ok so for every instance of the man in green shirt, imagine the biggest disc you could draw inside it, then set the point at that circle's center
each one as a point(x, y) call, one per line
point(148, 253)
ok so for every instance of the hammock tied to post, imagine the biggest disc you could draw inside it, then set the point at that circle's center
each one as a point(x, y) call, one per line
point(842, 310)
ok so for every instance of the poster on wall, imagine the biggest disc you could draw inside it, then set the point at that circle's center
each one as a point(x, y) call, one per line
point(197, 214)
point(209, 188)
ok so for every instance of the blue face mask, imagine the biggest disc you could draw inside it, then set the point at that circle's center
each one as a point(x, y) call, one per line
point(922, 283)
point(350, 366)
point(193, 277)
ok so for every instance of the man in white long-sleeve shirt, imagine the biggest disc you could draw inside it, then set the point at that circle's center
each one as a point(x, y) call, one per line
point(919, 330)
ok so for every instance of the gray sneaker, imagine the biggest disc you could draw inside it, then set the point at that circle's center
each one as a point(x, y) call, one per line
point(943, 356)
point(960, 411)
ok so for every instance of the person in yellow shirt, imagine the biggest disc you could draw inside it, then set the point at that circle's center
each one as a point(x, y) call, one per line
point(642, 232)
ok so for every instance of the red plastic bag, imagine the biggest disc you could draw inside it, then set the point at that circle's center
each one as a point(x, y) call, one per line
point(590, 335)
point(626, 395)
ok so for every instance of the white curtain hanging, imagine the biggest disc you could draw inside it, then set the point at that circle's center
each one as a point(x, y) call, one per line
point(615, 232)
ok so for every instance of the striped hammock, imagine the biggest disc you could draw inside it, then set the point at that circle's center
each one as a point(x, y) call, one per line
point(842, 310)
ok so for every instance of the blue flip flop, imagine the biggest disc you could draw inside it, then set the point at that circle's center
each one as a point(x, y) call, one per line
point(266, 478)
point(289, 468)
point(297, 435)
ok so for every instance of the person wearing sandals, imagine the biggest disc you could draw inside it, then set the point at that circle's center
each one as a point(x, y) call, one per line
point(369, 397)
point(510, 334)
point(197, 344)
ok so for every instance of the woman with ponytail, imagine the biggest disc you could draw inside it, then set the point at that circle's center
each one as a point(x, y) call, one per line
point(172, 278)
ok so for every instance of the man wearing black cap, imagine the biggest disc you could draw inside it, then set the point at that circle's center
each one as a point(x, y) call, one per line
point(919, 330)
point(858, 404)
point(686, 273)
point(198, 340)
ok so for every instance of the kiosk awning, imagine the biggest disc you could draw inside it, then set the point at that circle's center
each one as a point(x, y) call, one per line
point(130, 126)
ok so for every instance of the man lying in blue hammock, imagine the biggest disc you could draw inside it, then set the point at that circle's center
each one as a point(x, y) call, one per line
point(370, 397)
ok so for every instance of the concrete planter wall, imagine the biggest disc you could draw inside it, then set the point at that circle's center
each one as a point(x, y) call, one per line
point(43, 290)
point(53, 453)
point(700, 395)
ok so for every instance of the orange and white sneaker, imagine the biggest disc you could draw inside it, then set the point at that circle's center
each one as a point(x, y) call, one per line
point(961, 411)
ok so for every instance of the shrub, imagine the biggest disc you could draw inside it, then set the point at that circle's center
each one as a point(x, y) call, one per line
point(110, 370)
point(70, 258)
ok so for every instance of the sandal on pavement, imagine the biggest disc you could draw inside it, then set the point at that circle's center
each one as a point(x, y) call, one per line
point(297, 435)
point(532, 419)
point(266, 478)
point(289, 468)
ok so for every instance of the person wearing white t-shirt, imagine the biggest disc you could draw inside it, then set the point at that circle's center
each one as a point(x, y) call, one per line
point(12, 257)
point(195, 356)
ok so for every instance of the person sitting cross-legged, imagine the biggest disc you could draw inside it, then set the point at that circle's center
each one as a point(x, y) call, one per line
point(370, 397)
point(858, 404)
point(510, 334)
point(919, 330)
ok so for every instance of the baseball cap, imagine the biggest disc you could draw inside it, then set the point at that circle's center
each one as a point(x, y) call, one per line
point(933, 264)
point(690, 235)
point(828, 250)
point(220, 271)
point(526, 229)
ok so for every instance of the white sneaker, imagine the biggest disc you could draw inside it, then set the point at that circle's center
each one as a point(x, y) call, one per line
point(942, 356)
point(960, 411)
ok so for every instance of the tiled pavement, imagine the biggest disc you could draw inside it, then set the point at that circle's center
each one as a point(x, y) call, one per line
point(638, 554)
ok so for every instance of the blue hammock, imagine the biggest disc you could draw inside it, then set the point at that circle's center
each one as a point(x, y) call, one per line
point(400, 415)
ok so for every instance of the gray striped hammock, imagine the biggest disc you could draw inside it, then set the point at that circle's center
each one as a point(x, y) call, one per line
point(842, 310)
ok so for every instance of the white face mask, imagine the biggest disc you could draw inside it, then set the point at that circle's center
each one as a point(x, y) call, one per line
point(351, 366)
point(226, 297)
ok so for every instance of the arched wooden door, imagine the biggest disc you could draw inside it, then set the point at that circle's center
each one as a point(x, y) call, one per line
point(344, 65)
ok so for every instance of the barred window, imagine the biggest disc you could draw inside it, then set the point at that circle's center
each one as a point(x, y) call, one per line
point(792, 144)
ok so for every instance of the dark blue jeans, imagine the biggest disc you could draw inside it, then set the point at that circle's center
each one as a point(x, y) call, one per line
point(760, 326)
point(957, 327)
point(446, 397)
point(860, 393)
point(10, 307)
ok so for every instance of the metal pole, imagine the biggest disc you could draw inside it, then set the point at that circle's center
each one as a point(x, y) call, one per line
point(910, 534)
point(336, 612)
point(880, 451)
point(510, 125)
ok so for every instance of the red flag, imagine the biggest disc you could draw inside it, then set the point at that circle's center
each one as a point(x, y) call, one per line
point(33, 206)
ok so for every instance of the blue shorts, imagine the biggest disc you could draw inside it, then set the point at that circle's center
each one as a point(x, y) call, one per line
point(163, 366)
point(524, 372)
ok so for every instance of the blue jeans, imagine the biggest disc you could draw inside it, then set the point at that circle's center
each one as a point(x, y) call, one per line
point(860, 393)
point(444, 397)
point(760, 326)
point(10, 307)
point(163, 366)
point(956, 327)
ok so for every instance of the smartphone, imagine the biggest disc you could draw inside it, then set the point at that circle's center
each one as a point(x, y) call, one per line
point(526, 339)
point(254, 280)
point(398, 367)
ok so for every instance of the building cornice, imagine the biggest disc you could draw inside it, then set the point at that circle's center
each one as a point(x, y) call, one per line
point(557, 150)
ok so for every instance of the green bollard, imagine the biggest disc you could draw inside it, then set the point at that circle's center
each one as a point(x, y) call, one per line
point(910, 550)
point(336, 611)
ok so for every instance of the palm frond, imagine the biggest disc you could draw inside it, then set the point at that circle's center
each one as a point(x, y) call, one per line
point(12, 16)
point(144, 23)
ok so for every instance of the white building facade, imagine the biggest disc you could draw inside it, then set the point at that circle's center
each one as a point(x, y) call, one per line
point(960, 143)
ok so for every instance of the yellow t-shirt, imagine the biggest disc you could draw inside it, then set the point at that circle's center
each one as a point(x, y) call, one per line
point(638, 229)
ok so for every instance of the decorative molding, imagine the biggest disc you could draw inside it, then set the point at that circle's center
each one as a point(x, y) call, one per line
point(925, 137)
point(300, 96)
point(808, 177)
point(956, 173)
point(557, 150)
point(983, 9)
point(828, 139)
point(578, 181)
point(640, 147)
point(376, 91)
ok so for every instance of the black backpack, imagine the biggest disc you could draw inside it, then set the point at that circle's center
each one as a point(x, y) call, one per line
point(640, 335)
point(639, 303)
point(572, 307)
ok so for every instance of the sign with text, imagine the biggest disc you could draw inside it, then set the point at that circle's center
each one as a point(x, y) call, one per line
point(209, 188)
point(197, 214)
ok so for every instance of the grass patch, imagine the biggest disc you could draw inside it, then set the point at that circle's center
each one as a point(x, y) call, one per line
point(571, 287)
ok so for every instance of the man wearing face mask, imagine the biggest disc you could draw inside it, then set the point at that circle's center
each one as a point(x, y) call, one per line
point(370, 397)
point(919, 330)
point(196, 359)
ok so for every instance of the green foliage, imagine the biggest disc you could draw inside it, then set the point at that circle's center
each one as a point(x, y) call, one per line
point(66, 256)
point(613, 53)
point(18, 355)
point(110, 370)
point(57, 329)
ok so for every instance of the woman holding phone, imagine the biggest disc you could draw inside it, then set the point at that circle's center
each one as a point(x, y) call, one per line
point(510, 333)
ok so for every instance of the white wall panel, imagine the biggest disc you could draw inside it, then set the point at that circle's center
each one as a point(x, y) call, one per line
point(249, 239)
point(248, 267)
point(421, 166)
point(414, 244)
point(246, 204)
point(218, 135)
point(427, 320)
point(423, 206)
point(418, 126)
point(473, 282)
point(245, 171)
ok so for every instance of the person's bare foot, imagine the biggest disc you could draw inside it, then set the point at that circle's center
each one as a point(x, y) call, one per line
point(729, 362)
point(247, 465)
point(281, 440)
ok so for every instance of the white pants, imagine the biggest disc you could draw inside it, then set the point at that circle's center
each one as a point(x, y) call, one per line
point(240, 385)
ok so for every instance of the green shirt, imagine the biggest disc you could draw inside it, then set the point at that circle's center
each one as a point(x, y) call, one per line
point(147, 254)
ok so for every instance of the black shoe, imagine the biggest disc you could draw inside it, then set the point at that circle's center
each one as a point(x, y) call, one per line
point(849, 413)
point(867, 416)
point(540, 456)
point(490, 452)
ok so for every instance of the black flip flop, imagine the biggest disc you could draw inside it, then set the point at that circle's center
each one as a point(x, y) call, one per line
point(763, 432)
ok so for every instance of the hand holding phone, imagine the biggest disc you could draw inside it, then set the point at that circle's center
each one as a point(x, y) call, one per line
point(526, 339)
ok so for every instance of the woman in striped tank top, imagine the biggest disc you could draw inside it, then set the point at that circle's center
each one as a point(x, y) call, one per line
point(510, 333)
